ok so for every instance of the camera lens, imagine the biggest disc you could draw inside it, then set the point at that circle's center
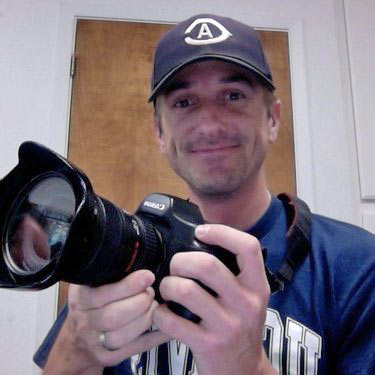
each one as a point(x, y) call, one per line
point(39, 224)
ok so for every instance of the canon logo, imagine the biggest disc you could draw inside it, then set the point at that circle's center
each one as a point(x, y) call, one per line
point(157, 206)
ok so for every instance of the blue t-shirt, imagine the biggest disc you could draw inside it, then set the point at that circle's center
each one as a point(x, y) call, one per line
point(322, 322)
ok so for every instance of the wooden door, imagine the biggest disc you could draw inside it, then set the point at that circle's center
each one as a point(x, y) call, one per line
point(111, 136)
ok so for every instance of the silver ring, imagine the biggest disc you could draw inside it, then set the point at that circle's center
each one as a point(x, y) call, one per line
point(102, 339)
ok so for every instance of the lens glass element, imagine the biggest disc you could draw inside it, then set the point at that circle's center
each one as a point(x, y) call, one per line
point(39, 225)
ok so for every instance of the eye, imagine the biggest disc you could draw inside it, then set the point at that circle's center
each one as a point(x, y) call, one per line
point(234, 96)
point(183, 103)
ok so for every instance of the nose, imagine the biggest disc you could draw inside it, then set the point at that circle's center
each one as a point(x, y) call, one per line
point(209, 119)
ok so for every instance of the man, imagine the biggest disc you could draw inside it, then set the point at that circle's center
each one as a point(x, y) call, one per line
point(215, 116)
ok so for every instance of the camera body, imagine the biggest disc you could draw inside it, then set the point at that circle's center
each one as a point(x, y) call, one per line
point(175, 221)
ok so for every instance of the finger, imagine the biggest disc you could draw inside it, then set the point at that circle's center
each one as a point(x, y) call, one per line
point(92, 298)
point(192, 296)
point(244, 246)
point(126, 334)
point(119, 313)
point(210, 271)
point(143, 343)
point(177, 327)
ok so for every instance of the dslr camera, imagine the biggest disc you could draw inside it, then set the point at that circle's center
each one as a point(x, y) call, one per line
point(54, 227)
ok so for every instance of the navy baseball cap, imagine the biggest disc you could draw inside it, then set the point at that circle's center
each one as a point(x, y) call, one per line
point(207, 36)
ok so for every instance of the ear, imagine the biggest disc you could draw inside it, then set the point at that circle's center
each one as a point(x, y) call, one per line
point(274, 120)
point(159, 134)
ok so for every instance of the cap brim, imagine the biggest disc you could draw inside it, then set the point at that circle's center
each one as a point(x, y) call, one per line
point(231, 59)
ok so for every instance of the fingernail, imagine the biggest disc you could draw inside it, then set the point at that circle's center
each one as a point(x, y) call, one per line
point(201, 230)
point(147, 279)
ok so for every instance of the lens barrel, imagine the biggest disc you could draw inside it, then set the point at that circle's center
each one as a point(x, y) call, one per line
point(124, 244)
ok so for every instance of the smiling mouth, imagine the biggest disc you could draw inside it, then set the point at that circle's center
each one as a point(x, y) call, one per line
point(213, 149)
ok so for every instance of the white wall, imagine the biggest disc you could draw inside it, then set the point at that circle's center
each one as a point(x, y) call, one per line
point(36, 39)
point(28, 34)
point(361, 46)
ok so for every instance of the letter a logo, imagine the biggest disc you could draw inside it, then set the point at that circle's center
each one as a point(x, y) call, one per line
point(205, 35)
point(205, 31)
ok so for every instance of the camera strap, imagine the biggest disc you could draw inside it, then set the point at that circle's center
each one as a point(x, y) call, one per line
point(298, 240)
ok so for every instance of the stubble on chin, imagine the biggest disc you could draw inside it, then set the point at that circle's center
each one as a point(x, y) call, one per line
point(213, 187)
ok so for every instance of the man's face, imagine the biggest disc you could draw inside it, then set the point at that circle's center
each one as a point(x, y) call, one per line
point(214, 126)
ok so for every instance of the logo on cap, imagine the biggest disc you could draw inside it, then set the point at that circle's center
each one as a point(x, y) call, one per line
point(206, 33)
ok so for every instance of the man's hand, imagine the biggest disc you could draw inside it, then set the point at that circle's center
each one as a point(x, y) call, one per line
point(228, 340)
point(122, 310)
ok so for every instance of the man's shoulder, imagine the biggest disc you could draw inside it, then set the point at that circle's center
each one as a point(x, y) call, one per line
point(342, 246)
point(326, 229)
